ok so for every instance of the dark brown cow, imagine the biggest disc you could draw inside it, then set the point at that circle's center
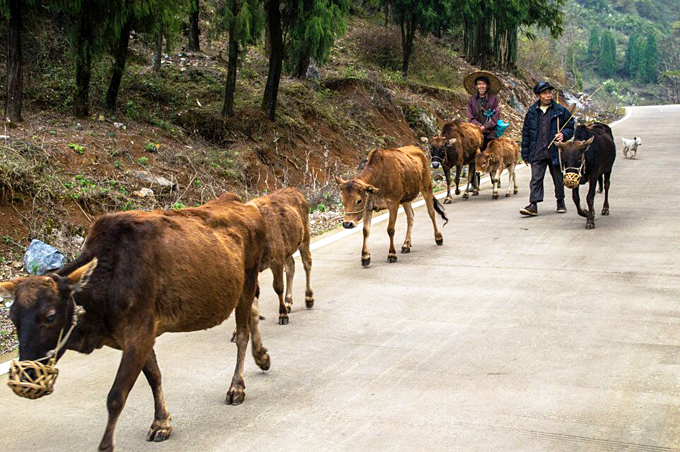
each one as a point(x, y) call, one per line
point(500, 154)
point(286, 214)
point(142, 274)
point(456, 146)
point(391, 177)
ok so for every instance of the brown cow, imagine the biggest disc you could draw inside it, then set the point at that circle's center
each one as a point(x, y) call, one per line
point(500, 154)
point(142, 274)
point(456, 146)
point(286, 214)
point(391, 177)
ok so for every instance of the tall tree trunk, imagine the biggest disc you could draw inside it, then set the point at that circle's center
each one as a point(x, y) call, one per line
point(271, 90)
point(13, 101)
point(232, 66)
point(386, 11)
point(302, 65)
point(511, 63)
point(158, 52)
point(119, 58)
point(408, 31)
point(81, 101)
point(194, 31)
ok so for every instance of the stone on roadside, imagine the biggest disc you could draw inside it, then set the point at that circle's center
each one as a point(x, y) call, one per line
point(41, 258)
point(144, 193)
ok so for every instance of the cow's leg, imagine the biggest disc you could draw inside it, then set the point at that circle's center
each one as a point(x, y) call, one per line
point(406, 247)
point(600, 182)
point(473, 173)
point(577, 201)
point(447, 175)
point(605, 207)
point(306, 256)
point(495, 179)
point(134, 358)
point(365, 255)
point(290, 273)
point(392, 254)
point(590, 199)
point(467, 186)
point(160, 428)
point(429, 203)
point(277, 271)
point(513, 175)
point(459, 168)
point(258, 350)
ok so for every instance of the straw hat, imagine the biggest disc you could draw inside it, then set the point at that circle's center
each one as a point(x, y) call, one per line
point(470, 85)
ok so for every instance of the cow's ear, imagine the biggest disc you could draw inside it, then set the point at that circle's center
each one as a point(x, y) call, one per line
point(589, 141)
point(79, 277)
point(424, 140)
point(372, 189)
point(559, 144)
point(7, 291)
point(339, 180)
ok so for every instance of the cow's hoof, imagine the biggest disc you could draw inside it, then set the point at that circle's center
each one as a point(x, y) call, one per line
point(263, 361)
point(391, 259)
point(365, 262)
point(439, 240)
point(605, 211)
point(448, 200)
point(590, 225)
point(457, 191)
point(515, 192)
point(309, 301)
point(465, 195)
point(283, 319)
point(494, 196)
point(475, 193)
point(405, 249)
point(159, 431)
point(235, 395)
point(507, 195)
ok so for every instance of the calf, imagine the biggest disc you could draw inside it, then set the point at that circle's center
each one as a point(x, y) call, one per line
point(390, 178)
point(586, 159)
point(456, 146)
point(287, 217)
point(500, 154)
point(142, 274)
point(631, 146)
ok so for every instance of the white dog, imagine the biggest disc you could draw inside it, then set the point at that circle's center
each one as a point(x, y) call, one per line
point(631, 145)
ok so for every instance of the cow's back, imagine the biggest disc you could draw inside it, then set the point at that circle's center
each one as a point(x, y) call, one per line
point(184, 267)
point(286, 214)
point(471, 139)
point(397, 172)
point(505, 148)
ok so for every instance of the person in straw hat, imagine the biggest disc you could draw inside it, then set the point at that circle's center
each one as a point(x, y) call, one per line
point(482, 107)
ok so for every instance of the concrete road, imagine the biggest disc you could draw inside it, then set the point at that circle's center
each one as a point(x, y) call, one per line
point(527, 334)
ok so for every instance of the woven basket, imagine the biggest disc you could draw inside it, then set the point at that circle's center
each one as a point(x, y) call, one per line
point(571, 180)
point(32, 379)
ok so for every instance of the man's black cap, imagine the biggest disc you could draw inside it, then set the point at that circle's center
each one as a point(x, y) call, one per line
point(542, 86)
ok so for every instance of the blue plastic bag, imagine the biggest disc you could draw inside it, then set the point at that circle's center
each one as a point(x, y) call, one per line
point(500, 127)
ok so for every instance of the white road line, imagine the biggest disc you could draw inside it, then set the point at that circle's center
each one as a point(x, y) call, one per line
point(4, 367)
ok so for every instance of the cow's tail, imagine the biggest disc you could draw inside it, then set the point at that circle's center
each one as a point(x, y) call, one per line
point(440, 209)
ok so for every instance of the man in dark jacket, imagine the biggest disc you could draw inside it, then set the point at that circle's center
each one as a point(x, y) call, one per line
point(540, 127)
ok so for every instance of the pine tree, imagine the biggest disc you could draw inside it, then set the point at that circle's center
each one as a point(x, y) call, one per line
point(594, 45)
point(651, 60)
point(313, 26)
point(630, 65)
point(607, 60)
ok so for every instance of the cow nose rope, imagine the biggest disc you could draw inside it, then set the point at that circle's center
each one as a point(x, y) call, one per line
point(33, 379)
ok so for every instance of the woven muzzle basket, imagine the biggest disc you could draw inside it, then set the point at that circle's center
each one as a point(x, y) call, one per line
point(571, 180)
point(32, 379)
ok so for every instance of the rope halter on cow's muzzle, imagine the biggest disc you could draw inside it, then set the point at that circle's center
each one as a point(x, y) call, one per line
point(33, 379)
point(572, 179)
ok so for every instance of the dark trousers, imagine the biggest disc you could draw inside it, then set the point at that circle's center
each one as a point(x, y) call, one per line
point(538, 168)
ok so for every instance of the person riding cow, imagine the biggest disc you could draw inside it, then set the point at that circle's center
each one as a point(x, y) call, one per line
point(483, 108)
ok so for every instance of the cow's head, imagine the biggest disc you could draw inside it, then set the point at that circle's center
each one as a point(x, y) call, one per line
point(484, 160)
point(572, 157)
point(354, 194)
point(41, 308)
point(439, 149)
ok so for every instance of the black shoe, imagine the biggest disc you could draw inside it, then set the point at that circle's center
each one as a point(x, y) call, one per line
point(561, 208)
point(530, 210)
